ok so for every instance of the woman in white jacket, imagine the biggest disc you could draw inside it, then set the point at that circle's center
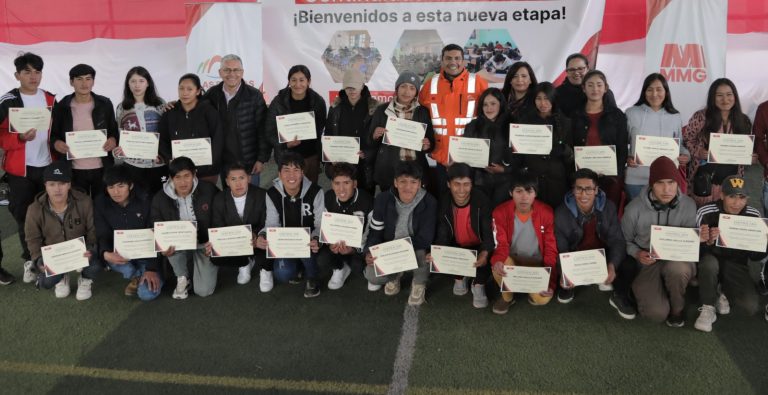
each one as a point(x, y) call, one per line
point(652, 115)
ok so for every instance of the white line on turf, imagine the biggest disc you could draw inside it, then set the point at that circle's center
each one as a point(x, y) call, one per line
point(405, 351)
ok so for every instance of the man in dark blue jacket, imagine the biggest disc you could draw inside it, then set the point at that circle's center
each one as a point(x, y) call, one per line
point(406, 210)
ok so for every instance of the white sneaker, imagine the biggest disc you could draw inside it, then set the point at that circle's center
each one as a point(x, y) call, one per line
point(182, 288)
point(706, 318)
point(265, 281)
point(62, 287)
point(460, 287)
point(479, 300)
point(244, 273)
point(417, 294)
point(83, 288)
point(338, 277)
point(722, 306)
point(605, 287)
point(29, 275)
point(373, 287)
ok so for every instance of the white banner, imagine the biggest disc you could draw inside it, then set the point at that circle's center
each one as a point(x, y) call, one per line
point(686, 42)
point(383, 38)
point(218, 29)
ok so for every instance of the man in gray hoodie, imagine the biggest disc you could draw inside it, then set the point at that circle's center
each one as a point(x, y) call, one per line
point(659, 285)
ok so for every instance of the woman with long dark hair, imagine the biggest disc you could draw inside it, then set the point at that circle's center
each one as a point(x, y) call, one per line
point(518, 88)
point(722, 115)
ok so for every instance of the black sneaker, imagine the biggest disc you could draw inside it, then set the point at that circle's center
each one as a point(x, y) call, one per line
point(623, 307)
point(296, 280)
point(311, 289)
point(675, 321)
point(6, 278)
point(565, 295)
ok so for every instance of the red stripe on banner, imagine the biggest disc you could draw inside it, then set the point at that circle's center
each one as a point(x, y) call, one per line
point(654, 8)
point(194, 12)
point(747, 16)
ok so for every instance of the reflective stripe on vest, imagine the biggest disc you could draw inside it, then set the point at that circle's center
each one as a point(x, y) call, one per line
point(433, 84)
point(439, 122)
point(440, 131)
point(435, 111)
point(459, 131)
point(471, 83)
point(470, 108)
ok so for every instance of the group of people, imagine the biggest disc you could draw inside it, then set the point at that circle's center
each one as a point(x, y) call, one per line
point(520, 210)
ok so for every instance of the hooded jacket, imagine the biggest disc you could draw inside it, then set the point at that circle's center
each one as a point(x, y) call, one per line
point(640, 214)
point(569, 227)
point(310, 205)
point(225, 214)
point(200, 122)
point(384, 220)
point(166, 206)
point(15, 161)
point(281, 105)
point(359, 205)
point(643, 121)
point(43, 227)
point(110, 216)
point(479, 218)
point(103, 116)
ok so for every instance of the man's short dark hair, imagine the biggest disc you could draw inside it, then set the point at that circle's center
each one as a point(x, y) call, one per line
point(585, 173)
point(576, 55)
point(452, 47)
point(28, 59)
point(525, 179)
point(81, 70)
point(180, 164)
point(116, 175)
point(342, 169)
point(290, 158)
point(409, 168)
point(234, 166)
point(459, 170)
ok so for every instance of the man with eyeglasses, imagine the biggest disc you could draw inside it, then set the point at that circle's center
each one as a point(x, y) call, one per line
point(587, 220)
point(243, 110)
point(570, 96)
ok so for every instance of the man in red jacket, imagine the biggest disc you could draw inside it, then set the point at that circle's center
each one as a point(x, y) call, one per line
point(525, 236)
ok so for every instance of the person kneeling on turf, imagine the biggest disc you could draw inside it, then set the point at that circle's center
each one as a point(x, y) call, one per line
point(721, 267)
point(294, 201)
point(344, 198)
point(186, 198)
point(58, 214)
point(587, 220)
point(242, 203)
point(659, 285)
point(525, 236)
point(405, 210)
point(464, 221)
point(124, 207)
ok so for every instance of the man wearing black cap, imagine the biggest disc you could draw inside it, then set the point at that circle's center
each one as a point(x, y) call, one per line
point(57, 215)
point(725, 268)
point(659, 285)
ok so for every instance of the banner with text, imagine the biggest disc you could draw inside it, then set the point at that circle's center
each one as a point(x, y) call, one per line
point(383, 38)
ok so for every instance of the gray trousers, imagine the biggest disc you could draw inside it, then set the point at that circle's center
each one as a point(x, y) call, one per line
point(734, 278)
point(420, 275)
point(660, 289)
point(205, 273)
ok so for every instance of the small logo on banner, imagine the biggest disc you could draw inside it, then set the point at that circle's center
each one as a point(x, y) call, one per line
point(206, 67)
point(684, 63)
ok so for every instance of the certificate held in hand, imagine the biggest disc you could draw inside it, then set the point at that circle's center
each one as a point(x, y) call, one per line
point(648, 148)
point(336, 227)
point(394, 257)
point(198, 150)
point(182, 235)
point(472, 151)
point(135, 243)
point(64, 257)
point(674, 244)
point(231, 241)
point(452, 260)
point(298, 126)
point(24, 119)
point(404, 133)
point(86, 144)
point(584, 267)
point(730, 149)
point(743, 233)
point(288, 243)
point(341, 149)
point(139, 145)
point(530, 139)
point(599, 158)
point(525, 279)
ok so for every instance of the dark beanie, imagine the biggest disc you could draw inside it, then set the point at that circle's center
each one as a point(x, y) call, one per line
point(408, 77)
point(662, 169)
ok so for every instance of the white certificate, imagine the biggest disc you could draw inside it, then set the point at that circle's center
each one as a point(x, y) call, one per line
point(288, 243)
point(231, 241)
point(404, 133)
point(23, 119)
point(474, 152)
point(135, 243)
point(599, 158)
point(743, 233)
point(335, 227)
point(452, 260)
point(671, 243)
point(299, 126)
point(648, 148)
point(731, 149)
point(530, 139)
point(199, 150)
point(341, 149)
point(584, 267)
point(182, 235)
point(394, 257)
point(525, 279)
point(139, 145)
point(64, 257)
point(86, 144)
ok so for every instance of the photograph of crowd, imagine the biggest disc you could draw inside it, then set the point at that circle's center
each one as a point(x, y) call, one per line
point(490, 53)
point(351, 49)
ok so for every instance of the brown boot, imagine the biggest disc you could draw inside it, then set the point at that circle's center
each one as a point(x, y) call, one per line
point(132, 286)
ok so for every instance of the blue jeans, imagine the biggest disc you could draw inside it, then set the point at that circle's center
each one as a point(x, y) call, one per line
point(286, 269)
point(90, 272)
point(147, 295)
point(134, 268)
